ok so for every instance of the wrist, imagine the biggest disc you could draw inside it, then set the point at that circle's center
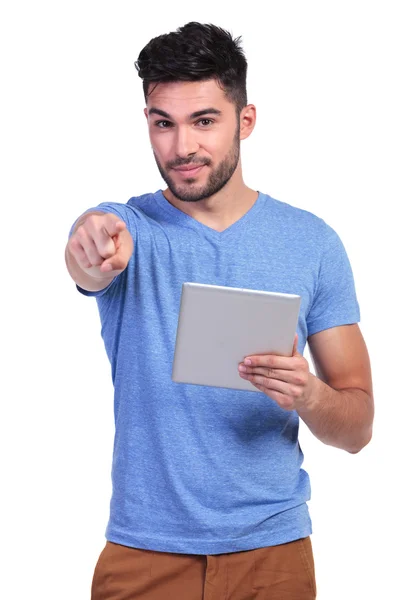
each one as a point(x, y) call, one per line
point(312, 396)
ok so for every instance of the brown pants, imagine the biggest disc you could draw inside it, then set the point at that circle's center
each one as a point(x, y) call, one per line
point(284, 572)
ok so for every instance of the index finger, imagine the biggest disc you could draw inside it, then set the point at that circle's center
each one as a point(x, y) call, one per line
point(104, 229)
point(271, 361)
point(112, 225)
point(295, 344)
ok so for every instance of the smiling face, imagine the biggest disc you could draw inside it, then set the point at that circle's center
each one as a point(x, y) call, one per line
point(195, 135)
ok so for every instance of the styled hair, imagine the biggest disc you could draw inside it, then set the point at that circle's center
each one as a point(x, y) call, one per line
point(196, 52)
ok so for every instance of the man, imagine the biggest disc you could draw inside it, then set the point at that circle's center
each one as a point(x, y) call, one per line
point(209, 497)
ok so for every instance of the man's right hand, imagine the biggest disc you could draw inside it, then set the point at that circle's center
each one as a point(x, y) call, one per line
point(101, 245)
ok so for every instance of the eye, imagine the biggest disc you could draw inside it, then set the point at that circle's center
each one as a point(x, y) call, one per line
point(163, 124)
point(205, 122)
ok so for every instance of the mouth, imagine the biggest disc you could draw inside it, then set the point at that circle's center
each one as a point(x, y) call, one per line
point(188, 170)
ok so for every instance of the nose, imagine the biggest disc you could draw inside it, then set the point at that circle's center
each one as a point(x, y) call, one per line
point(185, 143)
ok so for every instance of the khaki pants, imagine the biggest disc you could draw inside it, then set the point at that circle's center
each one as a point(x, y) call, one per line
point(284, 572)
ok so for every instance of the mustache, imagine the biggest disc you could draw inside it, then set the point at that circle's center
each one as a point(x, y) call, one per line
point(182, 162)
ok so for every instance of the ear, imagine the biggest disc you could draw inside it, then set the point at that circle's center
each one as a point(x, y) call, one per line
point(247, 120)
point(146, 114)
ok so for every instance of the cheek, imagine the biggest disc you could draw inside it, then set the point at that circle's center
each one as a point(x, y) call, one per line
point(220, 143)
point(160, 144)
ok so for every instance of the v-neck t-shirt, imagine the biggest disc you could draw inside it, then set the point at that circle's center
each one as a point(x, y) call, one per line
point(198, 469)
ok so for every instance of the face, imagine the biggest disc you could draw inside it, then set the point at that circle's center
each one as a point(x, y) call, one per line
point(195, 135)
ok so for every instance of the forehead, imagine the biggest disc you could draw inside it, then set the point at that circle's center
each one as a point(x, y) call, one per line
point(184, 97)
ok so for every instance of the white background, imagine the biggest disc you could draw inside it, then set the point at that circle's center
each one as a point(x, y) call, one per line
point(325, 79)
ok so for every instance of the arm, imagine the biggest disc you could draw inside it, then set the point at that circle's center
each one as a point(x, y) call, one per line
point(337, 406)
point(98, 250)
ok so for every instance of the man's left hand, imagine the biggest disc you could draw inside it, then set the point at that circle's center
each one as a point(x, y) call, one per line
point(285, 379)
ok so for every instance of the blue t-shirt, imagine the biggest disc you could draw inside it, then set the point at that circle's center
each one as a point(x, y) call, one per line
point(196, 469)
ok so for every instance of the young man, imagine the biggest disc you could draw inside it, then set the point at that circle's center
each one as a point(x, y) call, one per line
point(209, 497)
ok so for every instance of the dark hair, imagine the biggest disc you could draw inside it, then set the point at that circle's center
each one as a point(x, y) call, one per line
point(196, 52)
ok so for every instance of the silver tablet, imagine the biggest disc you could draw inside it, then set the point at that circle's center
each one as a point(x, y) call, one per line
point(219, 326)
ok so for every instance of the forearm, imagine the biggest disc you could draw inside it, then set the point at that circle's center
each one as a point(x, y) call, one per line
point(340, 418)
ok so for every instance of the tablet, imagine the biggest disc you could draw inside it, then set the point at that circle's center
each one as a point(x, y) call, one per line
point(219, 326)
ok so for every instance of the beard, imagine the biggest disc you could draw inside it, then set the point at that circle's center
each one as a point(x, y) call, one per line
point(217, 179)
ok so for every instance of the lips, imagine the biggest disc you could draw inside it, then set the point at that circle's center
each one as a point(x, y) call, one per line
point(188, 169)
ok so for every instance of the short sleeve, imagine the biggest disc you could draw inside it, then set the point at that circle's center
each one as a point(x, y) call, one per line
point(335, 302)
point(122, 212)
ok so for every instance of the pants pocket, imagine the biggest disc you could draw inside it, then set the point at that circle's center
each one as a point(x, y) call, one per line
point(285, 572)
point(121, 572)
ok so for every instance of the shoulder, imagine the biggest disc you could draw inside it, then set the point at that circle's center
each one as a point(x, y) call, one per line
point(134, 210)
point(289, 212)
point(135, 205)
point(143, 202)
point(304, 224)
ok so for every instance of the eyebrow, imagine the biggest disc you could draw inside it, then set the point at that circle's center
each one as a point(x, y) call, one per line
point(194, 115)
